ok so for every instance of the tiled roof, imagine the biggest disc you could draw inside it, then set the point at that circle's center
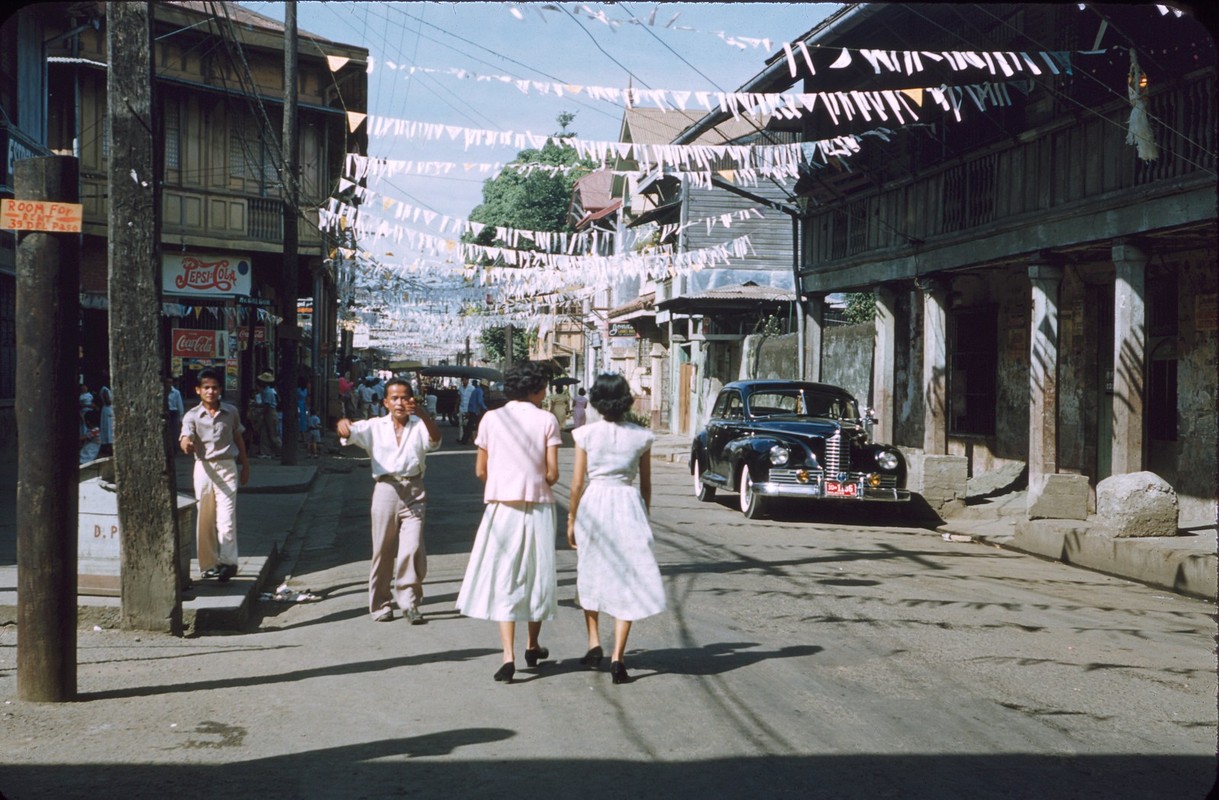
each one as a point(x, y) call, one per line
point(653, 126)
point(241, 15)
point(644, 302)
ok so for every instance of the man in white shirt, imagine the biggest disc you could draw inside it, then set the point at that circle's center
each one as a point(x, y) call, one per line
point(464, 393)
point(397, 446)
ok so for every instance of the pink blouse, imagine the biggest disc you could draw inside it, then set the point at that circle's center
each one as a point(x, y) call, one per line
point(515, 438)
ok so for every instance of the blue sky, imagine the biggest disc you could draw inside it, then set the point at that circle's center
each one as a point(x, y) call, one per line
point(550, 42)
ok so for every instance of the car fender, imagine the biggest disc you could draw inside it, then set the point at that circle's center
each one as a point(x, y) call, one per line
point(754, 451)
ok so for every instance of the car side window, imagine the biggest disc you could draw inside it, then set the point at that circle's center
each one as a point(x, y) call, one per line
point(735, 409)
point(720, 411)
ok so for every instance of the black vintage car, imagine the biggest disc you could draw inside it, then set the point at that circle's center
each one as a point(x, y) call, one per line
point(769, 439)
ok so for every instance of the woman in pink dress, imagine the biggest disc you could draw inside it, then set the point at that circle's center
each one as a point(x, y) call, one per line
point(511, 573)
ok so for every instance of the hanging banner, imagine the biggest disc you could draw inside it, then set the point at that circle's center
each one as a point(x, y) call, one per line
point(208, 275)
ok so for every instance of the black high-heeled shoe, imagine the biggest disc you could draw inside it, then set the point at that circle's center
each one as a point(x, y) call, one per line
point(536, 654)
point(618, 672)
point(592, 659)
point(505, 672)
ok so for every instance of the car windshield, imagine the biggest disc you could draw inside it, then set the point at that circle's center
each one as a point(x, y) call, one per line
point(802, 402)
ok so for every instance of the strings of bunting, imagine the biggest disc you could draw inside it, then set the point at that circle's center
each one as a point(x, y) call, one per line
point(339, 216)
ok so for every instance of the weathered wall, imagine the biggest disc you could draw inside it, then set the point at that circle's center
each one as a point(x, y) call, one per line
point(908, 370)
point(770, 357)
point(846, 359)
point(1189, 463)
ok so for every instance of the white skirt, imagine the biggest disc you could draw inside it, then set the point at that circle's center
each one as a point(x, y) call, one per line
point(511, 574)
point(616, 573)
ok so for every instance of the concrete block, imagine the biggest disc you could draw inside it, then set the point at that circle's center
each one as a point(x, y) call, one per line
point(1059, 496)
point(940, 480)
point(1137, 504)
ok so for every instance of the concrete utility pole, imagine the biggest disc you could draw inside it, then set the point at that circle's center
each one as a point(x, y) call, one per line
point(144, 478)
point(508, 356)
point(48, 305)
point(289, 334)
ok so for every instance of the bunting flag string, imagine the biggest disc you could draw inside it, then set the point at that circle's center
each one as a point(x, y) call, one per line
point(340, 216)
point(969, 64)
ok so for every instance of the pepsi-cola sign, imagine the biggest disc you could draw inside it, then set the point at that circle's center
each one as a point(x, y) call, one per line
point(203, 274)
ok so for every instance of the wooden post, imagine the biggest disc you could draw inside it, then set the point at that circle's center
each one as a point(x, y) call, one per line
point(289, 289)
point(151, 592)
point(48, 305)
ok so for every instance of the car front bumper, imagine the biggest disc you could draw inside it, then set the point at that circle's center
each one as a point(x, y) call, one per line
point(811, 485)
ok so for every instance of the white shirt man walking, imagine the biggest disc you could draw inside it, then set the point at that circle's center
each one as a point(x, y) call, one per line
point(397, 446)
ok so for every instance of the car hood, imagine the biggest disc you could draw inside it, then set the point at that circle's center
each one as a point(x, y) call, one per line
point(800, 427)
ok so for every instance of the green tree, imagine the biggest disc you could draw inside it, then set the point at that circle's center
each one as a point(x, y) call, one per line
point(532, 199)
point(861, 307)
point(492, 340)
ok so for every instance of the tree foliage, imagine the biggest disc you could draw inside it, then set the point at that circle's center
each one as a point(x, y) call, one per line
point(861, 307)
point(532, 199)
point(492, 340)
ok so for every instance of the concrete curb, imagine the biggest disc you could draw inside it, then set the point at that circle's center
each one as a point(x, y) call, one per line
point(1159, 561)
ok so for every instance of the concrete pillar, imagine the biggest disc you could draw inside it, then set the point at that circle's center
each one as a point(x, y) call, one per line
point(883, 368)
point(814, 330)
point(1043, 373)
point(1129, 357)
point(1050, 494)
point(935, 365)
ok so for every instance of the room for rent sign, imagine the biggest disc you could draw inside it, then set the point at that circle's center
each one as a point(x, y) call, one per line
point(40, 215)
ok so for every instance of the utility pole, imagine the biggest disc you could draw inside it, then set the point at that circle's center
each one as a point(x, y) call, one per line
point(144, 478)
point(289, 335)
point(508, 337)
point(48, 305)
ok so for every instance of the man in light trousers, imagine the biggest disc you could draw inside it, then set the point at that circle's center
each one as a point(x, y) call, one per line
point(397, 446)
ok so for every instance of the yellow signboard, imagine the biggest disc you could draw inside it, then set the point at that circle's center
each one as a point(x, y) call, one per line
point(40, 215)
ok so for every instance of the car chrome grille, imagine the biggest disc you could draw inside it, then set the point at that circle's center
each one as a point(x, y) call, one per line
point(833, 453)
point(791, 476)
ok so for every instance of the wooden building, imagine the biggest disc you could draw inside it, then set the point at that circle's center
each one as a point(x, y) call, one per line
point(219, 91)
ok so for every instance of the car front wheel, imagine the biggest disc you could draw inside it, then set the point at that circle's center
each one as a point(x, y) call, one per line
point(753, 506)
point(702, 491)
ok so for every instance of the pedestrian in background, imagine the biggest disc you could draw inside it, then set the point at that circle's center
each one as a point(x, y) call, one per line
point(579, 409)
point(211, 432)
point(478, 407)
point(105, 426)
point(302, 408)
point(510, 577)
point(175, 406)
point(464, 393)
point(314, 435)
point(266, 411)
point(608, 523)
point(397, 447)
point(557, 403)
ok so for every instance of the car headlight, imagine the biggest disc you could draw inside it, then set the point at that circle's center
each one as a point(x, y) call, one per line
point(887, 459)
point(779, 454)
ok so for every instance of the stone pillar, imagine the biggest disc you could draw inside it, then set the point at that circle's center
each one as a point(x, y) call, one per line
point(883, 368)
point(1043, 374)
point(935, 365)
point(1050, 494)
point(1129, 357)
point(815, 327)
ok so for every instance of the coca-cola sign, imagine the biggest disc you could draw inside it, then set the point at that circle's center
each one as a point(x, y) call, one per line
point(193, 343)
point(205, 274)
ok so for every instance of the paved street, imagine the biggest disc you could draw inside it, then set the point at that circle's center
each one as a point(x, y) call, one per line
point(843, 658)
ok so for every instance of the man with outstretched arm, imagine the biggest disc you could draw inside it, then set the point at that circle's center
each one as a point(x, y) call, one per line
point(397, 446)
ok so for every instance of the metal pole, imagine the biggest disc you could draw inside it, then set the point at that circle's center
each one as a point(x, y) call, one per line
point(48, 305)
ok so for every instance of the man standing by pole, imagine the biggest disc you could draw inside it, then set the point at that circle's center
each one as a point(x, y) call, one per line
point(397, 446)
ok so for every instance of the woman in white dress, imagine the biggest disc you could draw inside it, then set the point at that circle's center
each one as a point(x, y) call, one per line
point(511, 573)
point(608, 524)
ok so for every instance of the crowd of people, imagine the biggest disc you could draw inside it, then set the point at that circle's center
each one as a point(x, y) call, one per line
point(510, 575)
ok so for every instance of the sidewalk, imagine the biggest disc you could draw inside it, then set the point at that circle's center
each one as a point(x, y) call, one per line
point(1186, 563)
point(267, 510)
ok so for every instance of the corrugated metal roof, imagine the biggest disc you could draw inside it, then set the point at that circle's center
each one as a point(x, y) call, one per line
point(645, 303)
point(654, 126)
point(241, 15)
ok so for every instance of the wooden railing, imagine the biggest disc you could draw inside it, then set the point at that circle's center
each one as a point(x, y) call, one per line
point(1067, 162)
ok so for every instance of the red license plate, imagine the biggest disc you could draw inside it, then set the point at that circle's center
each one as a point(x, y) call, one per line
point(836, 489)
